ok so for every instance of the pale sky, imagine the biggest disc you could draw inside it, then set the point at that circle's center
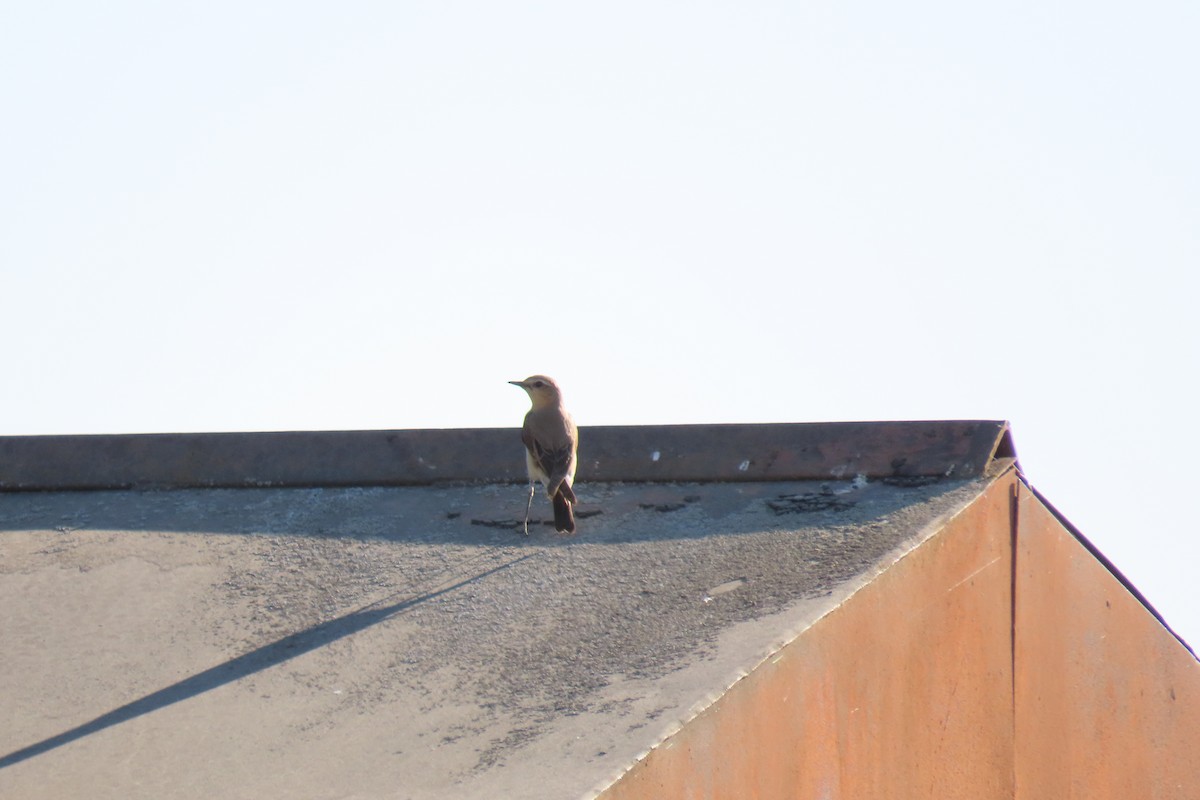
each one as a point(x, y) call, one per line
point(265, 216)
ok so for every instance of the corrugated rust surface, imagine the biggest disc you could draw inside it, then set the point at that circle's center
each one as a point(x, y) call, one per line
point(1107, 701)
point(903, 691)
point(802, 451)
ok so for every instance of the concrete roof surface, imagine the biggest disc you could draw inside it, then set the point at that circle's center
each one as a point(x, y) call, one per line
point(406, 642)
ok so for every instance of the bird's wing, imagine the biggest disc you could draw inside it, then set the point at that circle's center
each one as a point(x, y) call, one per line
point(551, 445)
point(555, 462)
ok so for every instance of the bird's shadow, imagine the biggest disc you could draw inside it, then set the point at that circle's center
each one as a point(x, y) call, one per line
point(256, 660)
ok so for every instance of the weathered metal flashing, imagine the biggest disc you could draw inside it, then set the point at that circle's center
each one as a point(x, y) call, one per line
point(726, 452)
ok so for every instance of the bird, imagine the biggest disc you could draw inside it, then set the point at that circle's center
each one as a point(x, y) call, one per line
point(551, 445)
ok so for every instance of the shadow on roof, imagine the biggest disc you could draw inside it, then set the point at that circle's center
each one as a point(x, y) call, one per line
point(256, 660)
point(475, 515)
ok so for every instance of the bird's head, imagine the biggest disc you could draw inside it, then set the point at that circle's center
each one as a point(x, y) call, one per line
point(542, 391)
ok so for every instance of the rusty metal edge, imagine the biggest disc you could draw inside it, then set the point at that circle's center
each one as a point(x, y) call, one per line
point(1096, 553)
point(721, 452)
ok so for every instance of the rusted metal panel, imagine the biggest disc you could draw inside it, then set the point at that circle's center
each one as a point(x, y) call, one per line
point(822, 451)
point(903, 691)
point(1107, 701)
point(1109, 566)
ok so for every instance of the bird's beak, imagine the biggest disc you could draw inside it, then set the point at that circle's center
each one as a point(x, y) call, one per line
point(518, 383)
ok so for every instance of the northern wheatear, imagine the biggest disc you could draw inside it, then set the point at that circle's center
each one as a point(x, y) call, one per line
point(550, 441)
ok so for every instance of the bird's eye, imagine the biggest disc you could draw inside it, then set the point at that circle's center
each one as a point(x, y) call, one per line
point(538, 384)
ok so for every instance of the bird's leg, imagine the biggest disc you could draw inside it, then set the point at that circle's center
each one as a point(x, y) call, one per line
point(528, 505)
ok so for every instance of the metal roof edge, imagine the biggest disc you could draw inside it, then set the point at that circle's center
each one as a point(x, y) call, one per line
point(715, 452)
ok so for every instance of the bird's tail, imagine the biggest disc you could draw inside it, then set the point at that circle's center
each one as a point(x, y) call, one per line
point(564, 517)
